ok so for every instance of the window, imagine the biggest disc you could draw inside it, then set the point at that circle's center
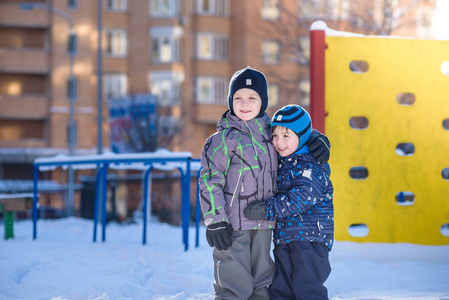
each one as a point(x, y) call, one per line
point(304, 93)
point(13, 130)
point(385, 11)
point(304, 47)
point(212, 7)
point(167, 87)
point(116, 85)
point(273, 94)
point(164, 49)
point(210, 46)
point(75, 130)
point(424, 21)
point(318, 8)
point(270, 10)
point(116, 42)
point(72, 45)
point(211, 90)
point(164, 8)
point(165, 44)
point(72, 4)
point(72, 87)
point(270, 50)
point(116, 5)
point(345, 9)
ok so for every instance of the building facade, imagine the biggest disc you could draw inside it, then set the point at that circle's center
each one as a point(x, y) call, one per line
point(183, 51)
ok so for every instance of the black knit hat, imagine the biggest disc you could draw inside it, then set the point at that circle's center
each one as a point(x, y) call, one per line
point(251, 79)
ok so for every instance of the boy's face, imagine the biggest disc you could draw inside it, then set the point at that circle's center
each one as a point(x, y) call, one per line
point(246, 104)
point(285, 141)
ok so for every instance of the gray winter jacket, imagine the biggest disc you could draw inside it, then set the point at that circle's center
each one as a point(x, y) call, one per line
point(239, 165)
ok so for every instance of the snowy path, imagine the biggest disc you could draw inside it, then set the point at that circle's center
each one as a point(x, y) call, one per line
point(63, 263)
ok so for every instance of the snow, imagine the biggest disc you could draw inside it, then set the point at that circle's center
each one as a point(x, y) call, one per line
point(441, 20)
point(20, 195)
point(136, 161)
point(445, 67)
point(64, 263)
point(321, 25)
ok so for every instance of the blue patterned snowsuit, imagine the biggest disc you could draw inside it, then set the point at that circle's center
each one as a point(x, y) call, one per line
point(304, 231)
point(303, 206)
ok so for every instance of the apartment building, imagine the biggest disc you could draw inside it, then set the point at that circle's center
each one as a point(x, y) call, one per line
point(183, 51)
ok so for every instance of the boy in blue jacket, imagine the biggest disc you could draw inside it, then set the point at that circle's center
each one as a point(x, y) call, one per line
point(303, 209)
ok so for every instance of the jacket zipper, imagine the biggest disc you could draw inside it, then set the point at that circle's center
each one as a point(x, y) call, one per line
point(235, 190)
point(251, 133)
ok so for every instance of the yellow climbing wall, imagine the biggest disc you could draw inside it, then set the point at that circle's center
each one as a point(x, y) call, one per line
point(395, 66)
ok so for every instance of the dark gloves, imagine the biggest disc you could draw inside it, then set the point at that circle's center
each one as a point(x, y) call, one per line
point(320, 146)
point(256, 210)
point(219, 235)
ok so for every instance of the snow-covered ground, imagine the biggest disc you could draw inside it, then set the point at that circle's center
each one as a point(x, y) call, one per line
point(64, 263)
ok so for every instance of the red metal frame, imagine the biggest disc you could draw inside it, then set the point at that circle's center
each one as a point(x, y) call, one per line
point(317, 101)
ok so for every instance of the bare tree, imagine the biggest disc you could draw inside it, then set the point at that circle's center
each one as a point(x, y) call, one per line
point(292, 27)
point(169, 127)
point(382, 17)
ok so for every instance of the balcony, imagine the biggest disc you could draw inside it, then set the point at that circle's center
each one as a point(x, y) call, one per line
point(12, 15)
point(22, 133)
point(26, 107)
point(24, 61)
point(209, 113)
point(23, 143)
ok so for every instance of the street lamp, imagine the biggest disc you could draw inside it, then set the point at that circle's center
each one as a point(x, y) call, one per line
point(99, 76)
point(72, 91)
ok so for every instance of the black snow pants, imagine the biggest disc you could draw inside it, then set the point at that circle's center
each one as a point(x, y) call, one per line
point(301, 270)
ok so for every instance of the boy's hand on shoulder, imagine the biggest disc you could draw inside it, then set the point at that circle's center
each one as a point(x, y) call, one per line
point(320, 146)
point(256, 210)
point(219, 235)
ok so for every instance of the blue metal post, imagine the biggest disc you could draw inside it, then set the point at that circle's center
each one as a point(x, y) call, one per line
point(185, 205)
point(97, 199)
point(101, 189)
point(104, 189)
point(182, 208)
point(35, 179)
point(99, 75)
point(197, 210)
point(145, 203)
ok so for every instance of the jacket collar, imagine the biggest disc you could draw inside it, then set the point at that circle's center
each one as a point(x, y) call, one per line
point(229, 121)
point(302, 156)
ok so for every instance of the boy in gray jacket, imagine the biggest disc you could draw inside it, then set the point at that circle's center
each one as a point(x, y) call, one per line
point(239, 165)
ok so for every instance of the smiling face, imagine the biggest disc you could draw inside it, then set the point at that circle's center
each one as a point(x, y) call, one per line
point(246, 104)
point(285, 141)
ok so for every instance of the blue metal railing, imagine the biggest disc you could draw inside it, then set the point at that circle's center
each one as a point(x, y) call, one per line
point(148, 161)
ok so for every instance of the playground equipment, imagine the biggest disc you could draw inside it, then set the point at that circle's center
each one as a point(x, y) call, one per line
point(162, 159)
point(383, 102)
point(11, 203)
